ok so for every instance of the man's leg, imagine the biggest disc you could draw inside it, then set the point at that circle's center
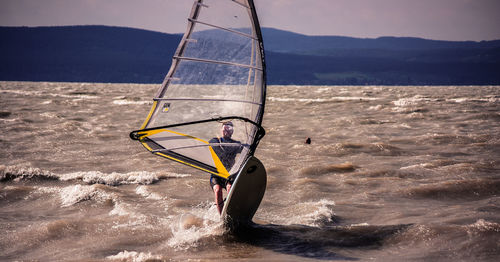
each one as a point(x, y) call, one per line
point(218, 197)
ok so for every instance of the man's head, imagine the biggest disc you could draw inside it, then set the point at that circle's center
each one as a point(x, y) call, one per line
point(227, 129)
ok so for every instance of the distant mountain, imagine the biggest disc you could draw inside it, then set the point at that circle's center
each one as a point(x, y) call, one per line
point(85, 54)
point(116, 54)
point(284, 41)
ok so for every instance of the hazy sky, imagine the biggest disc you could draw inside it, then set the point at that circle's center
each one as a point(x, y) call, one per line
point(433, 19)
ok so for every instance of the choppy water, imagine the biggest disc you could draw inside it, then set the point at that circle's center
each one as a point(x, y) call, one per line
point(392, 173)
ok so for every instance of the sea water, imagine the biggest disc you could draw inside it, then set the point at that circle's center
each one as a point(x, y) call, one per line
point(392, 173)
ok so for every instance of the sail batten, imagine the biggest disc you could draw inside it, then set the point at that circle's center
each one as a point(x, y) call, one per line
point(217, 75)
point(215, 62)
point(186, 147)
point(223, 28)
point(206, 100)
point(242, 4)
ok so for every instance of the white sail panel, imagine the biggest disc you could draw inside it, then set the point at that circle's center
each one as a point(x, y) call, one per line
point(217, 74)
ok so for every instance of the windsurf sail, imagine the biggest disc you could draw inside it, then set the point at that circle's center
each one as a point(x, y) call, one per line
point(217, 74)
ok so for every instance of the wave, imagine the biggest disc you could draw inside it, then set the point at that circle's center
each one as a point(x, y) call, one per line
point(412, 101)
point(71, 195)
point(490, 99)
point(128, 215)
point(21, 92)
point(384, 173)
point(322, 215)
point(446, 139)
point(479, 238)
point(482, 226)
point(5, 114)
point(74, 95)
point(90, 177)
point(190, 229)
point(113, 179)
point(321, 170)
point(144, 192)
point(77, 95)
point(24, 173)
point(318, 242)
point(129, 102)
point(124, 100)
point(312, 213)
point(321, 100)
point(484, 116)
point(134, 256)
point(457, 189)
point(379, 149)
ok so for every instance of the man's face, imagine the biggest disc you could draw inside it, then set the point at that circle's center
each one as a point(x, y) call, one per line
point(227, 131)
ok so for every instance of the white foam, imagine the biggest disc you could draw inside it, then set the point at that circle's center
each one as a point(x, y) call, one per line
point(323, 89)
point(121, 209)
point(312, 213)
point(21, 92)
point(49, 115)
point(491, 99)
point(412, 101)
point(10, 120)
point(321, 100)
point(323, 211)
point(19, 172)
point(204, 221)
point(133, 256)
point(131, 102)
point(48, 190)
point(483, 226)
point(130, 218)
point(360, 225)
point(71, 195)
point(143, 191)
point(416, 166)
point(375, 108)
point(40, 93)
point(76, 96)
point(114, 179)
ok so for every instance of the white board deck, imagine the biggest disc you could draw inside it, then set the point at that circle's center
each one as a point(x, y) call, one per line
point(245, 195)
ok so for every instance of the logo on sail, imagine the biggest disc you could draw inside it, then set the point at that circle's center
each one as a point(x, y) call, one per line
point(166, 107)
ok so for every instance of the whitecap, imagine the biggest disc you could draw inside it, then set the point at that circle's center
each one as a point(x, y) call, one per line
point(10, 120)
point(120, 209)
point(19, 173)
point(71, 195)
point(482, 225)
point(131, 218)
point(49, 115)
point(113, 179)
point(202, 221)
point(491, 99)
point(129, 102)
point(143, 191)
point(314, 213)
point(321, 100)
point(133, 256)
point(411, 101)
point(21, 92)
point(375, 108)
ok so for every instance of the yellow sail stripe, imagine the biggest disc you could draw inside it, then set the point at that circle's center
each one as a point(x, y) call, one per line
point(186, 163)
point(221, 170)
point(155, 103)
point(218, 164)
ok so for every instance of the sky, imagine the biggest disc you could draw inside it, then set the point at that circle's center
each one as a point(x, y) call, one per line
point(456, 20)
